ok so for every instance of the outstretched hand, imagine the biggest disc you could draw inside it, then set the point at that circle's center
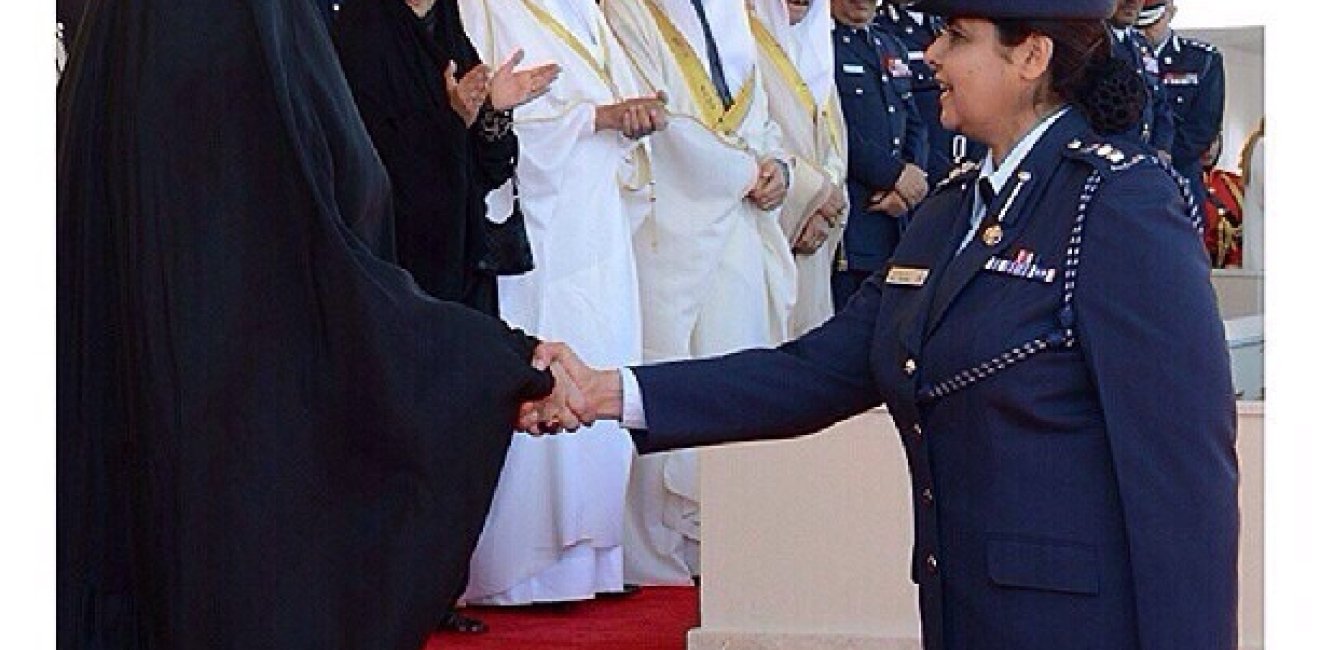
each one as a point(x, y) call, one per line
point(511, 88)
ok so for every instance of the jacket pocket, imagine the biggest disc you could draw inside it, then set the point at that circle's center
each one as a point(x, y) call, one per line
point(1047, 565)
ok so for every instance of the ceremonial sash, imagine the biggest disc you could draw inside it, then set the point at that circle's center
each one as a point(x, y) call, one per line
point(713, 114)
point(571, 40)
point(779, 59)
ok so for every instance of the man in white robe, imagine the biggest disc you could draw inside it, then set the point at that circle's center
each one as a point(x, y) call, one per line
point(797, 64)
point(715, 269)
point(555, 528)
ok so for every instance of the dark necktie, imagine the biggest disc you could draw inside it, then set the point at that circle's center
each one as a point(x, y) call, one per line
point(716, 69)
point(987, 191)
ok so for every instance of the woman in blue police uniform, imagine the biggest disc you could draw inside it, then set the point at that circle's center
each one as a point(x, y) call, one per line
point(1048, 347)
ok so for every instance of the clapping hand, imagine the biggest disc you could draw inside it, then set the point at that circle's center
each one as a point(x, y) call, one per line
point(771, 185)
point(466, 95)
point(511, 88)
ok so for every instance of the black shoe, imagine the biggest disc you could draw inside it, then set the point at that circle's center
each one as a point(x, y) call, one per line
point(455, 622)
point(628, 590)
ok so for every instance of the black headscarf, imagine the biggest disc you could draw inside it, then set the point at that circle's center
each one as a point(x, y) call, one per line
point(441, 169)
point(268, 437)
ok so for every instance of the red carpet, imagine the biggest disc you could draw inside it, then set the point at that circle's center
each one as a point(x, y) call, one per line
point(657, 618)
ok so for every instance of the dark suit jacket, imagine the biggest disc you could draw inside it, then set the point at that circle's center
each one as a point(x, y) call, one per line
point(885, 132)
point(1070, 439)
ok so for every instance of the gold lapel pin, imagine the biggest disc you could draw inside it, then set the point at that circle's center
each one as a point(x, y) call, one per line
point(992, 235)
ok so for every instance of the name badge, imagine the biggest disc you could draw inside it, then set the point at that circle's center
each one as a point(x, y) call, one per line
point(1182, 79)
point(906, 276)
point(853, 68)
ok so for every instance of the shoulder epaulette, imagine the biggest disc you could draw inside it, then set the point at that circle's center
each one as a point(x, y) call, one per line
point(1109, 160)
point(1105, 157)
point(956, 174)
point(1200, 45)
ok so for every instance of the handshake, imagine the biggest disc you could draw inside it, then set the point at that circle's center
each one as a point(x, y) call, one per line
point(581, 396)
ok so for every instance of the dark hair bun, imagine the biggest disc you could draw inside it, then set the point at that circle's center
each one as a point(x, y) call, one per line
point(1115, 97)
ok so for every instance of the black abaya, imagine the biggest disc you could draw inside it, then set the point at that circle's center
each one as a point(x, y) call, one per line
point(268, 437)
point(440, 168)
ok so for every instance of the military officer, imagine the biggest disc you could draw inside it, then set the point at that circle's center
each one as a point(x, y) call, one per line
point(1193, 76)
point(1048, 345)
point(916, 30)
point(1156, 128)
point(887, 144)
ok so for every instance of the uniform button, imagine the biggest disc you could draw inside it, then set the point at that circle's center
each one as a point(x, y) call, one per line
point(932, 565)
point(891, 108)
point(884, 77)
point(910, 367)
point(928, 497)
point(916, 431)
point(1180, 100)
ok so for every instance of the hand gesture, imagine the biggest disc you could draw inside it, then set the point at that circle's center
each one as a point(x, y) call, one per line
point(835, 205)
point(557, 411)
point(635, 118)
point(771, 185)
point(589, 393)
point(889, 202)
point(510, 88)
point(814, 235)
point(466, 95)
point(912, 185)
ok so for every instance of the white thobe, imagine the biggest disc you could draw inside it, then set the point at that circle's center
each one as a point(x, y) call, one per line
point(794, 60)
point(716, 274)
point(555, 528)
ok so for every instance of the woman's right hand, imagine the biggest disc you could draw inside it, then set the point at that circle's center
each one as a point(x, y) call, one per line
point(466, 95)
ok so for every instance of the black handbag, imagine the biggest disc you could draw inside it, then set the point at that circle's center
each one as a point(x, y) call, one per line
point(508, 251)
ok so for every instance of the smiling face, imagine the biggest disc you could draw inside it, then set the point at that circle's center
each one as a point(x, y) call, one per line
point(988, 91)
point(797, 10)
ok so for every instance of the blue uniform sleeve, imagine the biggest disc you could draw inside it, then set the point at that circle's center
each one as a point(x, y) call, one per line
point(800, 387)
point(872, 163)
point(1205, 117)
point(1154, 343)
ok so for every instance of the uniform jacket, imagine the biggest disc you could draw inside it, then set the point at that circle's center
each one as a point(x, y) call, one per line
point(874, 76)
point(1157, 122)
point(1193, 76)
point(947, 149)
point(1068, 419)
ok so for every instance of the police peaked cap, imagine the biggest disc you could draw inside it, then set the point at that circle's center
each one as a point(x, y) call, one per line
point(1042, 9)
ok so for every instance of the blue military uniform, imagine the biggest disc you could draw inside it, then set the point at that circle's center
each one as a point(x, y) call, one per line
point(1157, 122)
point(947, 149)
point(1193, 76)
point(885, 132)
point(1062, 391)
